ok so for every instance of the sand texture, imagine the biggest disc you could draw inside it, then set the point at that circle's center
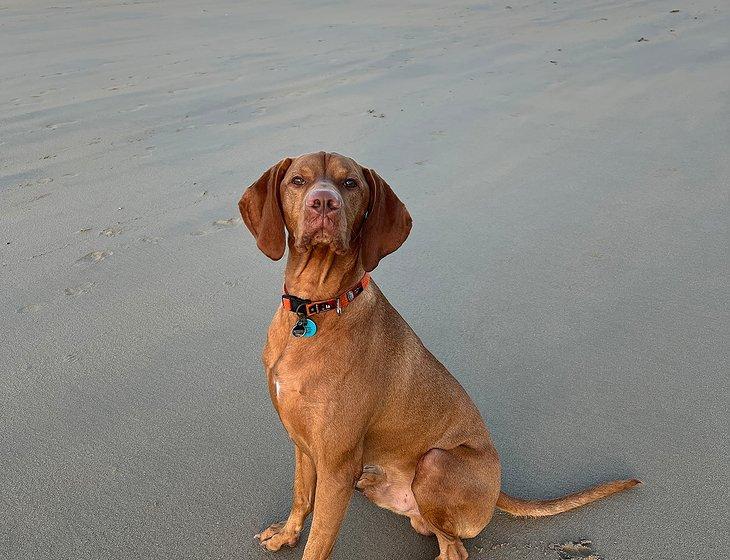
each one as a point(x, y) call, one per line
point(567, 166)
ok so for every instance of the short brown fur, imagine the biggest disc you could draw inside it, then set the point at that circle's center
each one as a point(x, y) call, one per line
point(368, 407)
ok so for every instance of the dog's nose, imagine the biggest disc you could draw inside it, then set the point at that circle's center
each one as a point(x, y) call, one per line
point(324, 201)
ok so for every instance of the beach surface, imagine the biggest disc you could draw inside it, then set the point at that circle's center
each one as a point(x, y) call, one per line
point(567, 168)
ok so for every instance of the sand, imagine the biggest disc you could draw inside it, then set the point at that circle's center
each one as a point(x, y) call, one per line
point(569, 186)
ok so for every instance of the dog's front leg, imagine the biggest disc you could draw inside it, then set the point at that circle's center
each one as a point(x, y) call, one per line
point(335, 484)
point(305, 480)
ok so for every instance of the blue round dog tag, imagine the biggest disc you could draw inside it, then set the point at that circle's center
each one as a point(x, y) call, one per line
point(310, 328)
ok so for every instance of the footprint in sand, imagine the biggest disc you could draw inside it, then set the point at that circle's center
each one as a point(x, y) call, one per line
point(39, 197)
point(111, 231)
point(572, 550)
point(54, 126)
point(219, 224)
point(137, 108)
point(94, 257)
point(576, 550)
point(84, 288)
point(228, 222)
point(151, 240)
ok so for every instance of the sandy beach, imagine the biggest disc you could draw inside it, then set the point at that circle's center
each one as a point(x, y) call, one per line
point(567, 168)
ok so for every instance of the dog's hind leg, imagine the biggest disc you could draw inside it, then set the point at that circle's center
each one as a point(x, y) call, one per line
point(456, 491)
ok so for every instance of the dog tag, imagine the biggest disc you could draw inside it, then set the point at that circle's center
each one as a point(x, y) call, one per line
point(304, 328)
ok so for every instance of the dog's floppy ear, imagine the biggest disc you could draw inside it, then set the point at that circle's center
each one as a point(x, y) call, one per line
point(261, 211)
point(387, 224)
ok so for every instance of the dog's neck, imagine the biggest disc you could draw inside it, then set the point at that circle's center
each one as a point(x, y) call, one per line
point(320, 273)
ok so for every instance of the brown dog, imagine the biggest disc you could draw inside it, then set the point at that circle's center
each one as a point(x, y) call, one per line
point(367, 406)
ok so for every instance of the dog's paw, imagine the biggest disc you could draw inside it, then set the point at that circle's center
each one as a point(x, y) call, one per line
point(276, 536)
point(453, 551)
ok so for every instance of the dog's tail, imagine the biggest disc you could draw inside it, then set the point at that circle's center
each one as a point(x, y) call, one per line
point(543, 508)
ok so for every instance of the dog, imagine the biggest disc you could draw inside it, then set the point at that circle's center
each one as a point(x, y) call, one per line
point(367, 406)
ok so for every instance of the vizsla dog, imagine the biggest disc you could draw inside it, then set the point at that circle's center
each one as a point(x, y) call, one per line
point(366, 404)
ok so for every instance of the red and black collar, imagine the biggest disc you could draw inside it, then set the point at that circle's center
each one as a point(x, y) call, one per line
point(306, 308)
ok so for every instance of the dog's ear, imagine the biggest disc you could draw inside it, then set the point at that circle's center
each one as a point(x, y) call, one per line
point(387, 224)
point(261, 211)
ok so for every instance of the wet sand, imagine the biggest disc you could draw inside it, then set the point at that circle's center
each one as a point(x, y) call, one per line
point(567, 168)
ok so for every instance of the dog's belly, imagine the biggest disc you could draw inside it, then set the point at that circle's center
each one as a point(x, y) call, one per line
point(389, 488)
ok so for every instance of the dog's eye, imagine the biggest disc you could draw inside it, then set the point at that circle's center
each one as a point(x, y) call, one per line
point(349, 183)
point(299, 181)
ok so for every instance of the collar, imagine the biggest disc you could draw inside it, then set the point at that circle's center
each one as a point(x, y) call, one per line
point(306, 308)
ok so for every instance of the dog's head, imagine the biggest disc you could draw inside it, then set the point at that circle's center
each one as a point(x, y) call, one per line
point(325, 199)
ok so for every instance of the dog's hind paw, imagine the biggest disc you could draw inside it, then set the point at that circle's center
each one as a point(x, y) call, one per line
point(452, 550)
point(372, 475)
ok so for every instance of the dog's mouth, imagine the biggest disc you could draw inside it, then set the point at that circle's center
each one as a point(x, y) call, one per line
point(322, 230)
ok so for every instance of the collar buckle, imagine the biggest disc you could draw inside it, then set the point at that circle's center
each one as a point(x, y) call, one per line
point(297, 305)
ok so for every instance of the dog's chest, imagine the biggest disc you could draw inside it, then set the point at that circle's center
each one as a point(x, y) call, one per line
point(297, 382)
point(313, 383)
point(302, 392)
